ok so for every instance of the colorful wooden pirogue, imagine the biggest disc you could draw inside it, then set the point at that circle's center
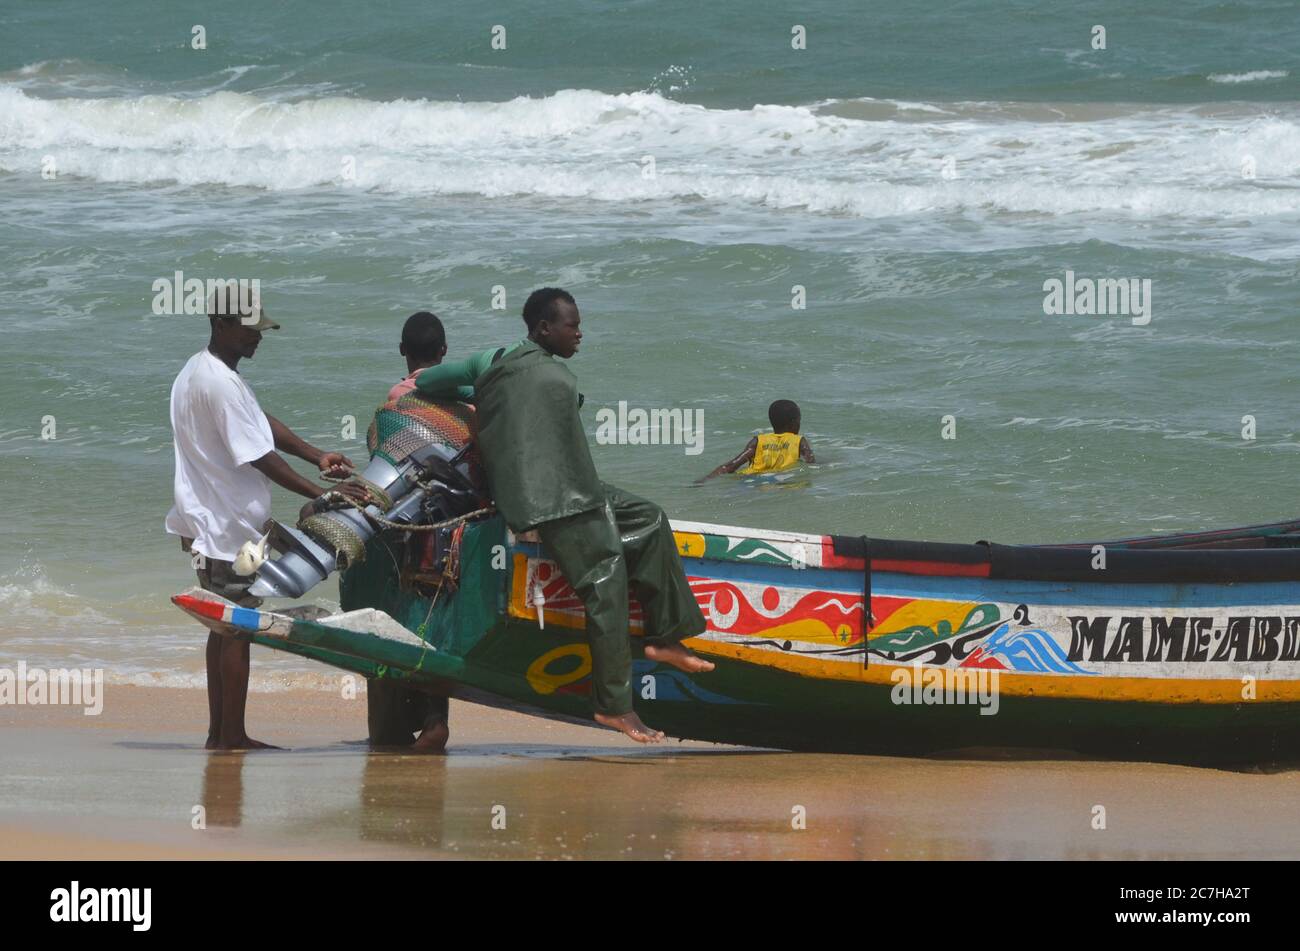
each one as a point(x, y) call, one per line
point(1179, 648)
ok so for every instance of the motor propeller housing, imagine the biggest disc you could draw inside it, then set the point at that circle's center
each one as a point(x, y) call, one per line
point(431, 484)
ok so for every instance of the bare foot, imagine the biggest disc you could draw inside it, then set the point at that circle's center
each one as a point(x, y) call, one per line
point(432, 739)
point(245, 743)
point(631, 725)
point(679, 657)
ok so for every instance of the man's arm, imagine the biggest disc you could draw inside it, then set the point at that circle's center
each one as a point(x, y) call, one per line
point(454, 378)
point(286, 440)
point(238, 420)
point(805, 450)
point(734, 464)
point(273, 466)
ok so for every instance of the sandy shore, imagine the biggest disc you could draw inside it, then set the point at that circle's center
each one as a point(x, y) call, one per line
point(135, 782)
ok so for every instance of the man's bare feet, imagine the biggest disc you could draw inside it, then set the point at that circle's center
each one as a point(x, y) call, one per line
point(631, 725)
point(679, 657)
point(432, 739)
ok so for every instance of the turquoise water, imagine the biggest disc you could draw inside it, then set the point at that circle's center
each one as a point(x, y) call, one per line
point(920, 170)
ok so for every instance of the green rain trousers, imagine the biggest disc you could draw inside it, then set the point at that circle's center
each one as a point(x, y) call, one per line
point(602, 552)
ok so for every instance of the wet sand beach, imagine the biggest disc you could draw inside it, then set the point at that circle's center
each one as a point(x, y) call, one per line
point(134, 781)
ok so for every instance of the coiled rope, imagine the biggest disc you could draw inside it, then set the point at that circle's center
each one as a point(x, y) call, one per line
point(345, 542)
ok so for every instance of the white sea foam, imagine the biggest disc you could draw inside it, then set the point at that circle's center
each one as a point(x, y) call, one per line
point(31, 598)
point(140, 640)
point(863, 158)
point(1254, 76)
point(321, 678)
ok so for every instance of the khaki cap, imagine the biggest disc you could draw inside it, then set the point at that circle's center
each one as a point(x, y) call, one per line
point(235, 301)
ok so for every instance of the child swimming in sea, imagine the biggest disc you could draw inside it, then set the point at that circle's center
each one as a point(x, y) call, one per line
point(783, 448)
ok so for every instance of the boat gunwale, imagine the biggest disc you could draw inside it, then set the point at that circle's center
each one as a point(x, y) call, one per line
point(1191, 558)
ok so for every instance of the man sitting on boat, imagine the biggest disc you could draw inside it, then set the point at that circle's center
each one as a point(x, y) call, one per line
point(541, 476)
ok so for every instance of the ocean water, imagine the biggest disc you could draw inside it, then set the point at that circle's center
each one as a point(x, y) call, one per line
point(919, 170)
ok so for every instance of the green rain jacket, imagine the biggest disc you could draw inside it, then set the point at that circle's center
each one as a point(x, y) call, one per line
point(534, 449)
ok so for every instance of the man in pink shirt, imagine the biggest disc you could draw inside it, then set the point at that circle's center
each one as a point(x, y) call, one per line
point(424, 344)
point(396, 712)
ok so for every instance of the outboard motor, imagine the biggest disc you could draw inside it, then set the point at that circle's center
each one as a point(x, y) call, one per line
point(421, 472)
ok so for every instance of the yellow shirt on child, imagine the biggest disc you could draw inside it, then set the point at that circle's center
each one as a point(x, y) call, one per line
point(775, 452)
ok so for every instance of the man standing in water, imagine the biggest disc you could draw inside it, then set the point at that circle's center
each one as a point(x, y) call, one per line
point(542, 477)
point(394, 712)
point(226, 460)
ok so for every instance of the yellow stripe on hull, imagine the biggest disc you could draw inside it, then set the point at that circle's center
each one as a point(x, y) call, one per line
point(1060, 686)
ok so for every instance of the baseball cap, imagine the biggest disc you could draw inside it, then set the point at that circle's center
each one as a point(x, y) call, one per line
point(234, 301)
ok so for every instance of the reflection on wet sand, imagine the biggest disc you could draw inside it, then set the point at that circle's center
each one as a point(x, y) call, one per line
point(518, 787)
point(598, 803)
point(222, 797)
point(402, 799)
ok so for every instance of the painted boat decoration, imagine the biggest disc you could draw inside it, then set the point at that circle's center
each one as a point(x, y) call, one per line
point(1180, 648)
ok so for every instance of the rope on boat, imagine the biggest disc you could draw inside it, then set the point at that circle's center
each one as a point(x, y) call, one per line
point(380, 498)
point(377, 495)
point(402, 527)
point(868, 619)
point(345, 542)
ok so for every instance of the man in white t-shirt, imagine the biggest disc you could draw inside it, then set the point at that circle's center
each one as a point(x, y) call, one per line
point(226, 459)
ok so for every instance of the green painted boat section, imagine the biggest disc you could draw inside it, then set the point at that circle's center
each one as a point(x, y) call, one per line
point(452, 623)
point(747, 550)
point(356, 665)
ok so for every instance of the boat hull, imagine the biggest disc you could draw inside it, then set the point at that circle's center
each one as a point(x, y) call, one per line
point(1117, 661)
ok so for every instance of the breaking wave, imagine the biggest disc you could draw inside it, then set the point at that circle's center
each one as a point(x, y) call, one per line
point(860, 158)
point(1254, 76)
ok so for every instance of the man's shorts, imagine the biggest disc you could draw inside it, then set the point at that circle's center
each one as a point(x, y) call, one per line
point(219, 577)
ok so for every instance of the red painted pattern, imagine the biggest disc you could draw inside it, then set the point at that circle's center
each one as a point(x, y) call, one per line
point(728, 608)
point(187, 602)
point(909, 567)
point(976, 658)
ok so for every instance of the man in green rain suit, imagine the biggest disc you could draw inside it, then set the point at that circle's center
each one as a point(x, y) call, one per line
point(541, 476)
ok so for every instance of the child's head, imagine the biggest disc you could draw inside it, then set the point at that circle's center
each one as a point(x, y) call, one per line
point(784, 416)
point(424, 342)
